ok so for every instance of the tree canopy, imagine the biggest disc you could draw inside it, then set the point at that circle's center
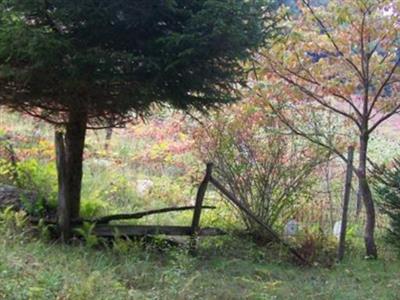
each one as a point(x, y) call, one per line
point(342, 58)
point(110, 57)
point(86, 63)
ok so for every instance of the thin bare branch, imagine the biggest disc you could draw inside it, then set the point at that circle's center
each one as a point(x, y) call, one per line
point(299, 132)
point(394, 111)
point(383, 85)
point(331, 39)
point(317, 98)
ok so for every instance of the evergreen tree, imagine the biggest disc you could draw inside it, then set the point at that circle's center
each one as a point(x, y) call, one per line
point(387, 188)
point(83, 64)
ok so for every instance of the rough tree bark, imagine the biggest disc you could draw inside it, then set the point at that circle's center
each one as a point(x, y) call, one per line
point(359, 201)
point(346, 200)
point(63, 209)
point(69, 167)
point(365, 191)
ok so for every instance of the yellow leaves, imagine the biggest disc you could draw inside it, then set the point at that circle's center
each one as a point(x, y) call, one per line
point(296, 36)
point(326, 60)
point(182, 137)
point(158, 150)
point(6, 168)
point(342, 15)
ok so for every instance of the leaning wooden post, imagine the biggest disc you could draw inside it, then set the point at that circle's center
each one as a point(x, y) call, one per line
point(346, 199)
point(230, 196)
point(197, 209)
point(63, 210)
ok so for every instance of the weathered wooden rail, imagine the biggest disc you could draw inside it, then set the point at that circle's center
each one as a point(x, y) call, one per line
point(110, 231)
point(103, 228)
point(230, 196)
point(138, 215)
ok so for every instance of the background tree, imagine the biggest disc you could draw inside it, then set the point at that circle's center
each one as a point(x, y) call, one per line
point(344, 58)
point(88, 64)
point(271, 171)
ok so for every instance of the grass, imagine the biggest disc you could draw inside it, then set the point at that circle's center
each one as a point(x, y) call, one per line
point(225, 268)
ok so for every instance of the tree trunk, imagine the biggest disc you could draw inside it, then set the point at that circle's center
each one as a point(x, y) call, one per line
point(346, 200)
point(109, 132)
point(63, 210)
point(69, 168)
point(367, 199)
point(359, 201)
point(329, 191)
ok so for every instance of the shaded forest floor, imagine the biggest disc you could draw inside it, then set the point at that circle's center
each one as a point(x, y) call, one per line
point(225, 268)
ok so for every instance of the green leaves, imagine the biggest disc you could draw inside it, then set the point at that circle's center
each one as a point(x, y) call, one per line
point(387, 188)
point(112, 57)
point(343, 15)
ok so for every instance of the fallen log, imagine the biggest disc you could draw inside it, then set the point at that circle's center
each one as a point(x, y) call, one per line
point(110, 231)
point(118, 217)
point(138, 215)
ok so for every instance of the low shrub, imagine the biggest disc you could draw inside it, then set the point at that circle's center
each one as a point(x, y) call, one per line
point(93, 207)
point(316, 247)
point(270, 171)
point(12, 221)
point(40, 177)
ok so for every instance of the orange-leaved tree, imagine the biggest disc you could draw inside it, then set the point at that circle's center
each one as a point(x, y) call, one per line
point(343, 57)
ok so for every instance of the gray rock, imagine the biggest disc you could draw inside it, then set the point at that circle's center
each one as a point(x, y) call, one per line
point(15, 197)
point(291, 228)
point(143, 187)
point(337, 228)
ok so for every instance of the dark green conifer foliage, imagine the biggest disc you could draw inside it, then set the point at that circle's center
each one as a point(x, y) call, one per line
point(85, 63)
point(110, 57)
point(387, 188)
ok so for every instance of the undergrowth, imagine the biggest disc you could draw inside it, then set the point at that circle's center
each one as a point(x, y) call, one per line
point(225, 268)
